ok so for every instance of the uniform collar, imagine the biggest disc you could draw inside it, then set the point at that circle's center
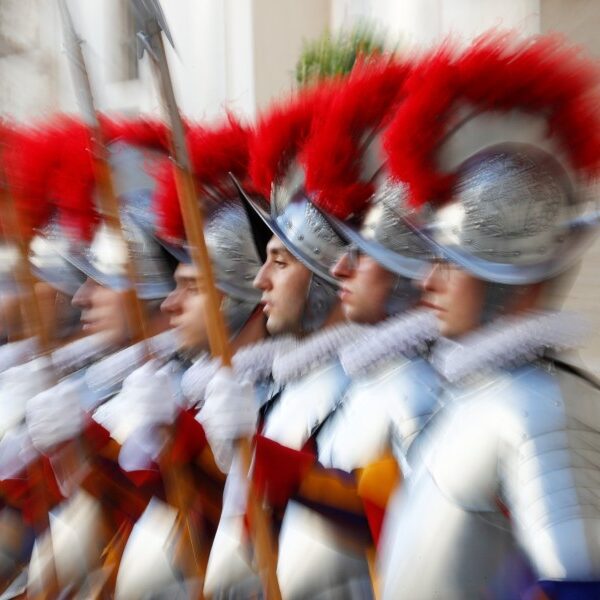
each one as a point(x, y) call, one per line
point(300, 357)
point(404, 335)
point(507, 343)
point(112, 370)
point(251, 363)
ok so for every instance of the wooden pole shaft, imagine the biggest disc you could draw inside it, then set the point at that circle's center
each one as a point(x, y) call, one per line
point(219, 340)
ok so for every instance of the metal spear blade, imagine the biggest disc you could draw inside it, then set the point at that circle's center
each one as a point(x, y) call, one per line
point(151, 21)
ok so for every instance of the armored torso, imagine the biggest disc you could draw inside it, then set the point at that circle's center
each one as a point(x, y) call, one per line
point(506, 472)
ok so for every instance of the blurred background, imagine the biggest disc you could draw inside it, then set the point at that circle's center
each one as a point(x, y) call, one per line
point(241, 54)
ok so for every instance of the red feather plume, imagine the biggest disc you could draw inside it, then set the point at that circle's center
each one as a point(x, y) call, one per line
point(496, 73)
point(73, 182)
point(214, 153)
point(333, 156)
point(150, 133)
point(281, 133)
point(27, 160)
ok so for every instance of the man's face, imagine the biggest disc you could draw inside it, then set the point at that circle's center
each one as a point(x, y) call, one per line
point(284, 282)
point(102, 310)
point(186, 307)
point(456, 297)
point(365, 289)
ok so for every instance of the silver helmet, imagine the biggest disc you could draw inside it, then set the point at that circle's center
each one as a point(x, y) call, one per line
point(308, 236)
point(235, 260)
point(384, 235)
point(514, 218)
point(46, 257)
point(105, 258)
point(233, 252)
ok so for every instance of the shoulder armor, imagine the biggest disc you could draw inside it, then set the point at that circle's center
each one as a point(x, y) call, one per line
point(531, 438)
point(391, 404)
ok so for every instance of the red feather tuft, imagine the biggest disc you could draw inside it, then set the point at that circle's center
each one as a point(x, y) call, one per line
point(72, 184)
point(214, 153)
point(166, 204)
point(150, 133)
point(496, 73)
point(27, 163)
point(281, 132)
point(334, 154)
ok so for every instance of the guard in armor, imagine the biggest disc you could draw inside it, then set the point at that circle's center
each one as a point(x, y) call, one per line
point(325, 546)
point(215, 153)
point(49, 283)
point(58, 417)
point(504, 494)
point(299, 298)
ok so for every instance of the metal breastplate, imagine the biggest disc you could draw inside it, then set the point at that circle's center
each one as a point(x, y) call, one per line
point(389, 405)
point(317, 557)
point(304, 404)
point(526, 440)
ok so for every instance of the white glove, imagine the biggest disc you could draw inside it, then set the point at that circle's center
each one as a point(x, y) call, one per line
point(148, 397)
point(55, 415)
point(230, 412)
point(17, 386)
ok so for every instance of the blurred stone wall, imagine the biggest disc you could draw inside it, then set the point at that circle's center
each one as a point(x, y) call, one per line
point(579, 21)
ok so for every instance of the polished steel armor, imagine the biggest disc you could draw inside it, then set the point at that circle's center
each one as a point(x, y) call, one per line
point(514, 218)
point(308, 397)
point(506, 474)
point(386, 405)
point(384, 234)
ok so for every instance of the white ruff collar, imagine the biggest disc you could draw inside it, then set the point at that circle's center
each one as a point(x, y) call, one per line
point(301, 356)
point(80, 353)
point(16, 353)
point(114, 368)
point(507, 343)
point(406, 334)
point(250, 364)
